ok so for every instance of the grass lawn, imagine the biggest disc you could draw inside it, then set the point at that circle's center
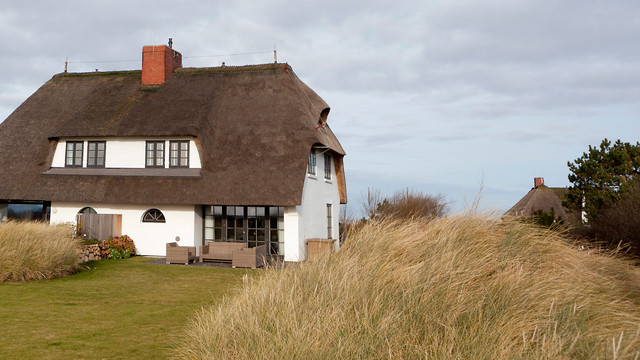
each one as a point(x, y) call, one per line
point(112, 309)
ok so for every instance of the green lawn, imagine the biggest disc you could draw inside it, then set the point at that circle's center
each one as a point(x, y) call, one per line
point(113, 309)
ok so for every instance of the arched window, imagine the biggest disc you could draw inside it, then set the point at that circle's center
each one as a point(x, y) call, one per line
point(153, 216)
point(87, 210)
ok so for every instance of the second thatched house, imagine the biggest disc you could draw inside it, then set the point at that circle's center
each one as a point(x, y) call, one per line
point(543, 200)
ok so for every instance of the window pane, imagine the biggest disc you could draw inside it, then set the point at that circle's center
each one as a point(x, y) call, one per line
point(218, 234)
point(208, 221)
point(217, 210)
point(208, 234)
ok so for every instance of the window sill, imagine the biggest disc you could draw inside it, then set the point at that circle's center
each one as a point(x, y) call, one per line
point(314, 177)
point(328, 181)
point(146, 172)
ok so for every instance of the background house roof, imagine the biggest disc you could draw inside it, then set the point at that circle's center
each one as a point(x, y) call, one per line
point(541, 198)
point(254, 126)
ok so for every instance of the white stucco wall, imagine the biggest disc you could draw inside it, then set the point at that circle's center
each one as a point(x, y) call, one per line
point(126, 152)
point(150, 238)
point(309, 220)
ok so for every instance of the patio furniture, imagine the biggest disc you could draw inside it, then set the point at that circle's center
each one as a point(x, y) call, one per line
point(180, 254)
point(249, 257)
point(219, 251)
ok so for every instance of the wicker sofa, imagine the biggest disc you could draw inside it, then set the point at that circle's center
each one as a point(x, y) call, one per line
point(249, 257)
point(219, 251)
point(180, 254)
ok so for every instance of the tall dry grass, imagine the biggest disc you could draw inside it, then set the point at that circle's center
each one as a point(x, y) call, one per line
point(36, 251)
point(459, 287)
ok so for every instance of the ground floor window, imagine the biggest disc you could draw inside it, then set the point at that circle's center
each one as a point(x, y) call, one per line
point(25, 210)
point(253, 225)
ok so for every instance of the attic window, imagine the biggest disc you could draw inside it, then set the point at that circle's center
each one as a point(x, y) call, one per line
point(73, 155)
point(311, 165)
point(327, 167)
point(155, 154)
point(153, 216)
point(96, 151)
point(179, 154)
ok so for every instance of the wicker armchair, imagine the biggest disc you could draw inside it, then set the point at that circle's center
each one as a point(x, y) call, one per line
point(180, 254)
point(250, 257)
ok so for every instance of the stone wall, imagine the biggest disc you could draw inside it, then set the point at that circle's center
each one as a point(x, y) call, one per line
point(89, 253)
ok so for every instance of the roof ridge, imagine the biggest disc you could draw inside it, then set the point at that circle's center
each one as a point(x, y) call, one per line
point(99, 73)
point(239, 68)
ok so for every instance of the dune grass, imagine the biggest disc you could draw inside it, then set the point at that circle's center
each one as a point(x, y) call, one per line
point(111, 309)
point(36, 251)
point(461, 287)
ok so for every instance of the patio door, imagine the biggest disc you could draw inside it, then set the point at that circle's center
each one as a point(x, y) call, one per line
point(235, 223)
point(256, 226)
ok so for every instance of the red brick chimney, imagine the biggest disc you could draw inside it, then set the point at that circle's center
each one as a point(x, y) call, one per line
point(538, 182)
point(158, 61)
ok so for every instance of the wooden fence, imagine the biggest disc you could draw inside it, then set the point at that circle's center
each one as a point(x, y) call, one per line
point(99, 226)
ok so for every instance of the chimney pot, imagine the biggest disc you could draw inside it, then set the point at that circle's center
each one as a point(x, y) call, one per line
point(538, 182)
point(158, 61)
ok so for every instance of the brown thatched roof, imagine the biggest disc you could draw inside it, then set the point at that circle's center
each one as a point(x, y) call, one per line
point(540, 198)
point(254, 127)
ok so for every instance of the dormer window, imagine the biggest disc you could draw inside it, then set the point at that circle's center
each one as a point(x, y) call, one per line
point(73, 155)
point(96, 153)
point(179, 154)
point(311, 165)
point(155, 154)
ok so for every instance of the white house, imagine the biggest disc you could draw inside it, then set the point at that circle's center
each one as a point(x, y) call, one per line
point(239, 154)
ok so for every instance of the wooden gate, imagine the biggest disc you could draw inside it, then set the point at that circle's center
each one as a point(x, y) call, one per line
point(99, 226)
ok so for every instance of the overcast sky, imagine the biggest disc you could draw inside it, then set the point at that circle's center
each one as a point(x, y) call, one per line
point(444, 96)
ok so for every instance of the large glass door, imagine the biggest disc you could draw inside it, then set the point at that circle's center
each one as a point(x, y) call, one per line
point(254, 225)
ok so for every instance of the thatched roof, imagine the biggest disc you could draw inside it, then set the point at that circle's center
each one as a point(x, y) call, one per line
point(540, 198)
point(254, 127)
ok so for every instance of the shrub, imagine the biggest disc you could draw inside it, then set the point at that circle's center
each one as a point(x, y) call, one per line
point(456, 287)
point(36, 251)
point(404, 204)
point(120, 247)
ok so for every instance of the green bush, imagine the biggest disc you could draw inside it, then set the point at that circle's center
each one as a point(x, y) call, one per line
point(36, 251)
